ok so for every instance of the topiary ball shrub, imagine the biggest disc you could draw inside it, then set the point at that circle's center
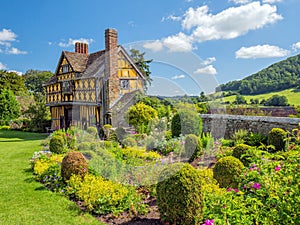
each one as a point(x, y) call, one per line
point(239, 151)
point(227, 170)
point(129, 142)
point(57, 144)
point(179, 196)
point(276, 137)
point(73, 163)
point(192, 147)
point(92, 131)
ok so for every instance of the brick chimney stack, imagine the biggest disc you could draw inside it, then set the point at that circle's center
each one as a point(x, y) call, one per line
point(111, 39)
point(82, 48)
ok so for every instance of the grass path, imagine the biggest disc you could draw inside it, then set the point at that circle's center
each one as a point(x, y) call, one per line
point(24, 201)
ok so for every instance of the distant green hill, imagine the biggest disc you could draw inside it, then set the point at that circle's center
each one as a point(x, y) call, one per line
point(279, 76)
point(292, 95)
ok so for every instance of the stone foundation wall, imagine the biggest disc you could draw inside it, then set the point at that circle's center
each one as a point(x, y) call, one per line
point(225, 125)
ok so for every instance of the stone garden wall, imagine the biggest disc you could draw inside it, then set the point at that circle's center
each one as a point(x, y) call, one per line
point(221, 125)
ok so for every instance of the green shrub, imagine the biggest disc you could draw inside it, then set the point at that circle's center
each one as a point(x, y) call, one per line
point(129, 142)
point(277, 138)
point(255, 139)
point(92, 131)
point(186, 122)
point(192, 147)
point(73, 163)
point(168, 135)
point(239, 136)
point(207, 141)
point(120, 133)
point(103, 196)
point(57, 144)
point(240, 152)
point(83, 146)
point(179, 196)
point(227, 142)
point(227, 170)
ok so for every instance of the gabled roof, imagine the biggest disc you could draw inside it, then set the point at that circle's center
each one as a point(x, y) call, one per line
point(89, 65)
point(78, 61)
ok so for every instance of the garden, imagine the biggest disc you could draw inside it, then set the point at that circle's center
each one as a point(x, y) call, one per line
point(169, 172)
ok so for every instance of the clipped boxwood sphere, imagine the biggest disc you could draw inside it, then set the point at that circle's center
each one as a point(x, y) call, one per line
point(179, 196)
point(239, 150)
point(192, 147)
point(227, 170)
point(277, 138)
point(129, 142)
point(57, 144)
point(73, 163)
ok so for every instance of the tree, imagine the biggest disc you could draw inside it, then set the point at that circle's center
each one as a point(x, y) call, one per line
point(139, 115)
point(239, 99)
point(38, 114)
point(142, 63)
point(12, 81)
point(9, 107)
point(35, 79)
point(277, 100)
point(203, 97)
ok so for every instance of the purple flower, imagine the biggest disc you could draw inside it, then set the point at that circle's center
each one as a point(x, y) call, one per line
point(236, 190)
point(277, 168)
point(209, 222)
point(256, 186)
point(229, 189)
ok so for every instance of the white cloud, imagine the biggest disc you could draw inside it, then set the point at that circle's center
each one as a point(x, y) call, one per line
point(15, 51)
point(261, 51)
point(178, 43)
point(209, 61)
point(71, 42)
point(271, 1)
point(230, 23)
point(210, 70)
point(240, 1)
point(7, 36)
point(17, 72)
point(178, 77)
point(155, 46)
point(2, 66)
point(171, 17)
point(296, 46)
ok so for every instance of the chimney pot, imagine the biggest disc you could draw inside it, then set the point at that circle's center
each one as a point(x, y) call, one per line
point(81, 48)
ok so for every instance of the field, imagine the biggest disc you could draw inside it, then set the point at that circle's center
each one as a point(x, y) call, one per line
point(23, 200)
point(292, 95)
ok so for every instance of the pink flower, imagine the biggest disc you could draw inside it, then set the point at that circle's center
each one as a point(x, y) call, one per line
point(277, 168)
point(229, 189)
point(256, 186)
point(209, 222)
point(236, 190)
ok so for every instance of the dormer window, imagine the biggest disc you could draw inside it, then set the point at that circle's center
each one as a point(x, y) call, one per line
point(124, 84)
point(65, 68)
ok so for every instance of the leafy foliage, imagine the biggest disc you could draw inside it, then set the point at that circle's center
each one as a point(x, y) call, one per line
point(277, 100)
point(139, 115)
point(227, 171)
point(277, 138)
point(12, 81)
point(9, 107)
point(179, 195)
point(192, 147)
point(35, 79)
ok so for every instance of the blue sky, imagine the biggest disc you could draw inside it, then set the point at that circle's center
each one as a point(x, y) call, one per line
point(195, 44)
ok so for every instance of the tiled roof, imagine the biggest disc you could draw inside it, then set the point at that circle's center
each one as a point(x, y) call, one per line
point(95, 64)
point(77, 60)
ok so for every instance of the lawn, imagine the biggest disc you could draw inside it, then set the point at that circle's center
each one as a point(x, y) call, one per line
point(23, 200)
point(292, 95)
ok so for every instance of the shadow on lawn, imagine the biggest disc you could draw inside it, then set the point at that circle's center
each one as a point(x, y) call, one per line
point(18, 136)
